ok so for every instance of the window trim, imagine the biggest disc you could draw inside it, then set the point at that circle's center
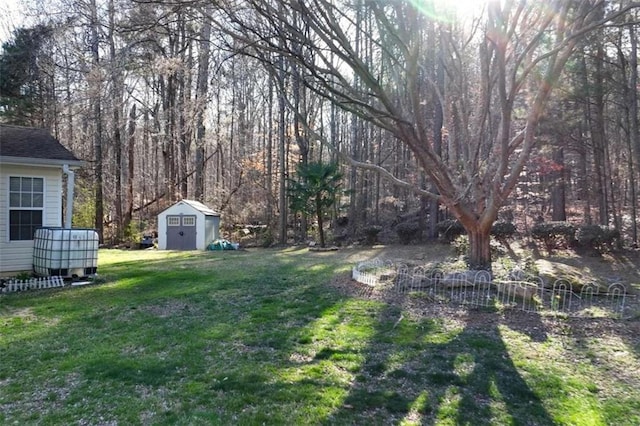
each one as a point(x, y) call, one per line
point(10, 208)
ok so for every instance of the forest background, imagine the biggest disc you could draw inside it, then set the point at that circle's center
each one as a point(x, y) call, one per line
point(520, 111)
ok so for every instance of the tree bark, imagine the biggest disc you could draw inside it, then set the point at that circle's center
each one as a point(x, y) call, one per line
point(116, 101)
point(128, 217)
point(479, 248)
point(202, 86)
point(558, 190)
point(282, 160)
point(96, 93)
point(634, 128)
point(319, 218)
point(438, 124)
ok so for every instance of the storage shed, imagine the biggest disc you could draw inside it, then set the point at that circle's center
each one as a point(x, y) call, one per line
point(187, 225)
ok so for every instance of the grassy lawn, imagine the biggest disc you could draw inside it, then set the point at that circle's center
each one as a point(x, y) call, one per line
point(263, 337)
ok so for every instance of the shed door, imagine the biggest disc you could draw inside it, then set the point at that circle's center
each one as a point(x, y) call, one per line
point(181, 232)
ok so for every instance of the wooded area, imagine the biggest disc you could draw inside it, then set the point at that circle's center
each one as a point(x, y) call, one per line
point(526, 112)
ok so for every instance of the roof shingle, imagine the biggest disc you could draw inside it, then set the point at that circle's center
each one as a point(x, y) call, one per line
point(28, 142)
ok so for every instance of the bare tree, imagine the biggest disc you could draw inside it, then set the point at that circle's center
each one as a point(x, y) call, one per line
point(634, 125)
point(96, 94)
point(282, 158)
point(500, 75)
point(131, 132)
point(202, 86)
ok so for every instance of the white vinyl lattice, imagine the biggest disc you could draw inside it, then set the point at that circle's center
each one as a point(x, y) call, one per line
point(14, 285)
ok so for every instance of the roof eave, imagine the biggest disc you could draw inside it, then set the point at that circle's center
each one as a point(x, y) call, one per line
point(43, 162)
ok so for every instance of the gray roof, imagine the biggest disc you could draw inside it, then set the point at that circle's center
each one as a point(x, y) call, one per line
point(200, 207)
point(32, 145)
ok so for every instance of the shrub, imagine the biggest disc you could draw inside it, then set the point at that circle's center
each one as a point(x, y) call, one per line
point(612, 236)
point(502, 231)
point(267, 238)
point(24, 276)
point(461, 245)
point(449, 230)
point(342, 221)
point(408, 231)
point(371, 234)
point(597, 237)
point(553, 234)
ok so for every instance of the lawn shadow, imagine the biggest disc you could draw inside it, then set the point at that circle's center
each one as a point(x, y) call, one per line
point(425, 372)
point(622, 347)
point(528, 323)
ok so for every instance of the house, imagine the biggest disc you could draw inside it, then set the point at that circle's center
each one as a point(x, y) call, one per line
point(32, 164)
point(187, 225)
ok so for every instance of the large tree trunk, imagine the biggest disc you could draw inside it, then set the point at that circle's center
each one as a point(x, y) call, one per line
point(597, 128)
point(478, 228)
point(167, 90)
point(130, 166)
point(558, 189)
point(202, 86)
point(269, 159)
point(479, 248)
point(282, 166)
point(319, 217)
point(583, 172)
point(116, 101)
point(353, 189)
point(128, 216)
point(300, 109)
point(434, 205)
point(634, 129)
point(184, 132)
point(633, 95)
point(97, 117)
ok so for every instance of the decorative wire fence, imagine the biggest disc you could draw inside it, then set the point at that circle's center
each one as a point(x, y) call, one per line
point(13, 285)
point(519, 291)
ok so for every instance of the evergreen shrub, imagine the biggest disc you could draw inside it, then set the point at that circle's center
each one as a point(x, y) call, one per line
point(502, 231)
point(554, 234)
point(408, 231)
point(371, 234)
point(597, 237)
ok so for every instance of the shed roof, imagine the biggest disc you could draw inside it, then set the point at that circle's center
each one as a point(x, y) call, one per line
point(198, 206)
point(32, 145)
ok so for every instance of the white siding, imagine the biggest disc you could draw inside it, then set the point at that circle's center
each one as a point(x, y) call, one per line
point(211, 229)
point(208, 230)
point(18, 255)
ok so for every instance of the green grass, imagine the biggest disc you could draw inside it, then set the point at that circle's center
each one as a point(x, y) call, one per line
point(261, 337)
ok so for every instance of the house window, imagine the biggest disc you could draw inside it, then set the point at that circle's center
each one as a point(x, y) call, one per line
point(26, 203)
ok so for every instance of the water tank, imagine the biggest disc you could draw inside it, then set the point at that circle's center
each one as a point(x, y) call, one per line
point(69, 253)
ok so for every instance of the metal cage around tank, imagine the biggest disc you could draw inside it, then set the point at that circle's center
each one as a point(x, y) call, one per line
point(65, 252)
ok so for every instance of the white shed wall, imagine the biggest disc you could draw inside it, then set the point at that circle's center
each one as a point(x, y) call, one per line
point(206, 225)
point(212, 226)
